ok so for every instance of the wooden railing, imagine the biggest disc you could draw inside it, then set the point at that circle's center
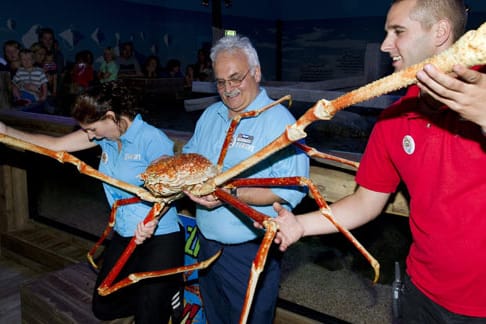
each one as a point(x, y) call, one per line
point(334, 181)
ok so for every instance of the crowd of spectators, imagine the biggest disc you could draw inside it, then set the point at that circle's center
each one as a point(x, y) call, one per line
point(43, 81)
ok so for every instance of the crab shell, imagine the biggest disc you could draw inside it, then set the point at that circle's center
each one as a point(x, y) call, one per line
point(170, 175)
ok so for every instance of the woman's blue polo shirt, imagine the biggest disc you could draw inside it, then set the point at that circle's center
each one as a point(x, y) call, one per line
point(142, 143)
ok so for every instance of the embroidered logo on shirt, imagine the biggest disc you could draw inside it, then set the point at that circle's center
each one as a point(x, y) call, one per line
point(408, 144)
point(133, 157)
point(104, 157)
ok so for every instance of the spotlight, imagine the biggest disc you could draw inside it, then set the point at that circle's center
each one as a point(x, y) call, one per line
point(228, 3)
point(205, 3)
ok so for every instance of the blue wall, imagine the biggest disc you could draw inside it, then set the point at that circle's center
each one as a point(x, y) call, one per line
point(325, 48)
point(94, 25)
point(296, 9)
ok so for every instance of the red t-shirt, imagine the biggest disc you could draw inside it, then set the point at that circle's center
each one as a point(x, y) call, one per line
point(441, 158)
point(83, 74)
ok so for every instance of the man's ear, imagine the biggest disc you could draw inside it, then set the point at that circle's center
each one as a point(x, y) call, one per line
point(443, 32)
point(258, 74)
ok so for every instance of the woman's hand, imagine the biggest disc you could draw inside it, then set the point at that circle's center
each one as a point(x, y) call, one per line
point(145, 231)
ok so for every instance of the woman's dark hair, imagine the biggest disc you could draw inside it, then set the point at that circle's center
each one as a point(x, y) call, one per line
point(114, 96)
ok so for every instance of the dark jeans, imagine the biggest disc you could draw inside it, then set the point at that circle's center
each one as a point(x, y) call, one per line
point(223, 285)
point(419, 309)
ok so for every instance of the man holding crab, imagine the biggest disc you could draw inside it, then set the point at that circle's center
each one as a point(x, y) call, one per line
point(223, 286)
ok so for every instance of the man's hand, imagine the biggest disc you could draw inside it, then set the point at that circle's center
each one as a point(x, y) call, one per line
point(289, 229)
point(208, 201)
point(145, 231)
point(463, 91)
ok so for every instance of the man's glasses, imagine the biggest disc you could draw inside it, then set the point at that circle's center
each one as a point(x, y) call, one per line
point(233, 82)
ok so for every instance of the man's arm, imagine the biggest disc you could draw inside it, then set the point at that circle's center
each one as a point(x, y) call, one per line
point(250, 195)
point(464, 92)
point(352, 211)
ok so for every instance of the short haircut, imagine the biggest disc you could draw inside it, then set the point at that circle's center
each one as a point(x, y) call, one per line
point(428, 12)
point(234, 44)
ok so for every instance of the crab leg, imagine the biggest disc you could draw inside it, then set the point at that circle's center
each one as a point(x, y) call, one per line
point(241, 206)
point(105, 285)
point(136, 277)
point(109, 227)
point(327, 213)
point(257, 267)
point(64, 157)
point(323, 207)
point(236, 120)
point(261, 257)
point(469, 50)
point(312, 152)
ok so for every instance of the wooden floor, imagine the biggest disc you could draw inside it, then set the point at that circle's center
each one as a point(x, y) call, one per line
point(12, 275)
point(31, 253)
point(28, 254)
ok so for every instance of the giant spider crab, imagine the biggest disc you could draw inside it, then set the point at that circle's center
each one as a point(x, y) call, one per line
point(169, 177)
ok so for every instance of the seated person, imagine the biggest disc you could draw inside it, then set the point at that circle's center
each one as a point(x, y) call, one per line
point(151, 68)
point(203, 70)
point(40, 52)
point(29, 84)
point(11, 49)
point(173, 69)
point(46, 36)
point(50, 69)
point(127, 62)
point(83, 73)
point(189, 77)
point(108, 69)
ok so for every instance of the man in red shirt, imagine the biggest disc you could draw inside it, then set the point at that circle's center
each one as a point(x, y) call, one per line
point(433, 139)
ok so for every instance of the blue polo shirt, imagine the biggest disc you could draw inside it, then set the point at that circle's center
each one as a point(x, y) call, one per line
point(227, 225)
point(141, 144)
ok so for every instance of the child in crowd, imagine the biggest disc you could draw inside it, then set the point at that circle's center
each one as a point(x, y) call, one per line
point(83, 73)
point(151, 68)
point(11, 49)
point(189, 76)
point(173, 69)
point(127, 62)
point(29, 83)
point(50, 69)
point(109, 68)
point(40, 52)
